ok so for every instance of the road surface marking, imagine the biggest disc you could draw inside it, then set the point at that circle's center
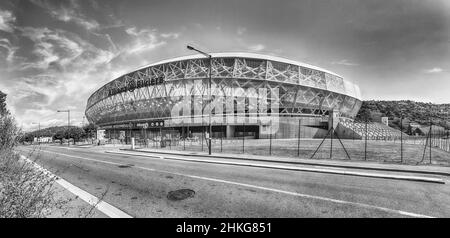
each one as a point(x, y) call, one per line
point(296, 168)
point(263, 188)
point(102, 206)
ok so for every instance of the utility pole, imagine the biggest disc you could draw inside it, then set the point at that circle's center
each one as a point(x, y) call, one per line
point(431, 128)
point(365, 140)
point(332, 132)
point(401, 138)
point(209, 94)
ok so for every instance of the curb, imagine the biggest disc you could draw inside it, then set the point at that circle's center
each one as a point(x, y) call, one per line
point(301, 163)
point(329, 171)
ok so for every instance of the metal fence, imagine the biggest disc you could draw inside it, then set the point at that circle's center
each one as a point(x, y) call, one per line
point(364, 143)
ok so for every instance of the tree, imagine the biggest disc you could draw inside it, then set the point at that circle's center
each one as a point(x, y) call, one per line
point(90, 130)
point(8, 129)
point(59, 135)
point(3, 109)
point(76, 133)
point(409, 131)
point(27, 137)
point(364, 112)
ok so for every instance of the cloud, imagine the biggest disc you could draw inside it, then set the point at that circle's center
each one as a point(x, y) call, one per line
point(6, 18)
point(170, 35)
point(69, 68)
point(68, 16)
point(34, 116)
point(143, 40)
point(434, 70)
point(51, 46)
point(241, 30)
point(61, 68)
point(5, 44)
point(64, 50)
point(65, 70)
point(71, 13)
point(344, 62)
point(44, 89)
point(33, 99)
point(133, 31)
point(257, 47)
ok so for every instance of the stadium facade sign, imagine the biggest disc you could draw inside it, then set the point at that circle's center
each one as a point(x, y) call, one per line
point(132, 85)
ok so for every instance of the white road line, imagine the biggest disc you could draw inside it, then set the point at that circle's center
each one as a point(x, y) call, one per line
point(306, 196)
point(264, 188)
point(102, 206)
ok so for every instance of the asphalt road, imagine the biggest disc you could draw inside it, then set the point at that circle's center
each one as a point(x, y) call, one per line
point(139, 186)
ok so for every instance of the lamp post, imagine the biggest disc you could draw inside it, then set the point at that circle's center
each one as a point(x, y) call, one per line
point(68, 124)
point(401, 137)
point(209, 94)
point(446, 128)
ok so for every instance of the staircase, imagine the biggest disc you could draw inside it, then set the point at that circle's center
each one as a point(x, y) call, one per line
point(375, 130)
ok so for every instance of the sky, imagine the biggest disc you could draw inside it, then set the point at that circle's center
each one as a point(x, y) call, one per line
point(55, 54)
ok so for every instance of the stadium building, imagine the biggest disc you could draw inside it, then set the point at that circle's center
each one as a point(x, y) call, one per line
point(252, 95)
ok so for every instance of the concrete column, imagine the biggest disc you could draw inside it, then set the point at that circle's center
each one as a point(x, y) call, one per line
point(333, 118)
point(230, 131)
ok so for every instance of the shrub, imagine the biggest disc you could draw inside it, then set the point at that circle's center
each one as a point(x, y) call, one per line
point(24, 190)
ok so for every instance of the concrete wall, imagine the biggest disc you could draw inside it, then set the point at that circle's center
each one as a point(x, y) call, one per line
point(310, 127)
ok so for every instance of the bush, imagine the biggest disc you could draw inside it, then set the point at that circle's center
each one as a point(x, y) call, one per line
point(24, 190)
point(8, 132)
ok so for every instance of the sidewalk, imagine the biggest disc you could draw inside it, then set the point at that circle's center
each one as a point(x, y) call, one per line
point(421, 169)
point(72, 206)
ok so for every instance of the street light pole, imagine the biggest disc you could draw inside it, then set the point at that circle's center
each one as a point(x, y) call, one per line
point(401, 137)
point(209, 94)
point(68, 124)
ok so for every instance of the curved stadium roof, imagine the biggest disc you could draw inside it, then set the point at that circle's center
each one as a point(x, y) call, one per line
point(351, 89)
point(239, 55)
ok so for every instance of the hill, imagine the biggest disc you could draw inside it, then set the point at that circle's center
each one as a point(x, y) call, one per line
point(418, 112)
point(50, 131)
point(59, 132)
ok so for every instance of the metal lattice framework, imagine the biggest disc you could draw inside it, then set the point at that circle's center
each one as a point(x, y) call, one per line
point(150, 92)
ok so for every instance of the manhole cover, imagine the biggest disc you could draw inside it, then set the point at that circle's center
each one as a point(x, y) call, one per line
point(180, 194)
